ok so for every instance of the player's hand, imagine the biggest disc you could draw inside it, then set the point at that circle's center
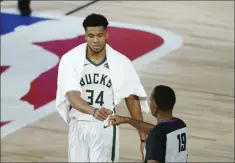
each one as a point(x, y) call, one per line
point(102, 113)
point(117, 119)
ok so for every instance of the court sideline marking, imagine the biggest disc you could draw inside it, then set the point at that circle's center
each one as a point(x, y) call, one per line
point(81, 7)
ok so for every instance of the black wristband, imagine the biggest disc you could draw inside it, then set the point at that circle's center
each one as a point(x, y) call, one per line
point(142, 140)
point(94, 112)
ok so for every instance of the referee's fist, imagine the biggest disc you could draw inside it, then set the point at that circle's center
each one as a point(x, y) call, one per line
point(117, 119)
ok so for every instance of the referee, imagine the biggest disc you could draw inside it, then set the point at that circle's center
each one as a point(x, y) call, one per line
point(167, 140)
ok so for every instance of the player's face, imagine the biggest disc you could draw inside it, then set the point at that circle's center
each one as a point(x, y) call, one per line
point(96, 38)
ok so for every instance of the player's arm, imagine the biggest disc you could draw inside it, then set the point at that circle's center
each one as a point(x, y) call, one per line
point(78, 103)
point(69, 86)
point(81, 105)
point(133, 105)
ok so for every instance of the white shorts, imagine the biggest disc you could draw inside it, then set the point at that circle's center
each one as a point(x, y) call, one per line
point(89, 141)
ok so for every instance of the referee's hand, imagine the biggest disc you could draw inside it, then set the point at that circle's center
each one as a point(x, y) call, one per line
point(117, 119)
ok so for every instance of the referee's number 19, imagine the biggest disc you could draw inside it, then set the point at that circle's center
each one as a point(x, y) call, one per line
point(182, 142)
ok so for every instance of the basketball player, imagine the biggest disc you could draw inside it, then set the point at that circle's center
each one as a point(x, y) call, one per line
point(89, 139)
point(167, 140)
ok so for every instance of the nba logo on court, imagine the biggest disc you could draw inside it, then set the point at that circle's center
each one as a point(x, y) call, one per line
point(30, 53)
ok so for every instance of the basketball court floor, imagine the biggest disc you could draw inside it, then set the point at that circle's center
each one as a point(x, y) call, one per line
point(188, 45)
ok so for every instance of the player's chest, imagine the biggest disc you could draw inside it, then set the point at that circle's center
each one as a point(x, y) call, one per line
point(96, 75)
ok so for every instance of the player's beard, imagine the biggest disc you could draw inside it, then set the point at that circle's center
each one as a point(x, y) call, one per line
point(96, 52)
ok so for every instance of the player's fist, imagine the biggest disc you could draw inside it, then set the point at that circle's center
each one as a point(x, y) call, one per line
point(102, 113)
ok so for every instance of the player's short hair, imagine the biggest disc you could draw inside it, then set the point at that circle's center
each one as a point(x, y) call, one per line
point(164, 97)
point(95, 20)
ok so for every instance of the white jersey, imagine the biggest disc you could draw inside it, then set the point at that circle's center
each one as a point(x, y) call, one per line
point(96, 88)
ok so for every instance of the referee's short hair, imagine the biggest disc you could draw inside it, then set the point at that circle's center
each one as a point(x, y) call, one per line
point(164, 97)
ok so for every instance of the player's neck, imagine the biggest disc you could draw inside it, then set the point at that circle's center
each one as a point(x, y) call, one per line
point(164, 116)
point(96, 57)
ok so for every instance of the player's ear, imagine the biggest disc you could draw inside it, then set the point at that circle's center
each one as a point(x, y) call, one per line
point(106, 35)
point(85, 36)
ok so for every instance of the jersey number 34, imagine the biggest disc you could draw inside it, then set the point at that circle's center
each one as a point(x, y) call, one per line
point(99, 99)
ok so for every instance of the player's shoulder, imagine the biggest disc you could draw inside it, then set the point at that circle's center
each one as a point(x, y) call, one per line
point(73, 53)
point(122, 58)
point(69, 55)
point(118, 55)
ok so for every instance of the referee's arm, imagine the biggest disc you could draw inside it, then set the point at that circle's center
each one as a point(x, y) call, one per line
point(144, 127)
